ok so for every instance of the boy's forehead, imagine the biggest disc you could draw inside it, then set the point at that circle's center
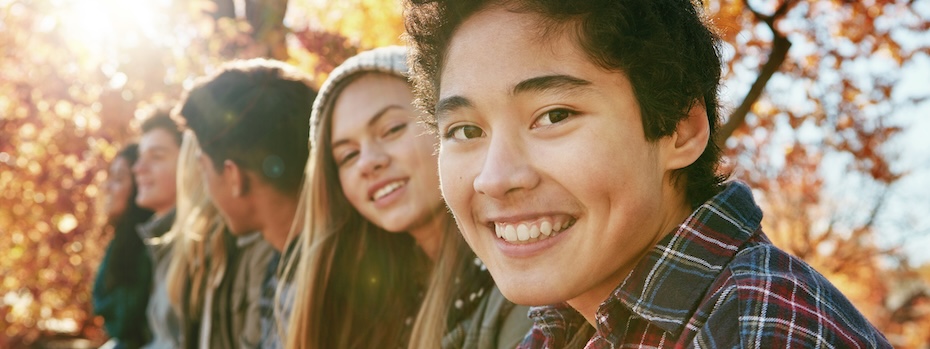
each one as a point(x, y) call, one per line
point(498, 27)
point(500, 48)
point(157, 139)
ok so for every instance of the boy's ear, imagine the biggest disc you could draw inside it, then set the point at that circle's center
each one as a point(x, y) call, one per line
point(690, 138)
point(236, 178)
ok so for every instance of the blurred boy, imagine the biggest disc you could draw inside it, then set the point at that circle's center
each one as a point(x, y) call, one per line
point(156, 173)
point(252, 122)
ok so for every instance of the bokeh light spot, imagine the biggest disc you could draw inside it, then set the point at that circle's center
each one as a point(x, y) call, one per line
point(67, 223)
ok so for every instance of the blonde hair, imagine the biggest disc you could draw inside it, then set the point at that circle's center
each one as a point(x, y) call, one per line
point(433, 318)
point(197, 235)
point(342, 258)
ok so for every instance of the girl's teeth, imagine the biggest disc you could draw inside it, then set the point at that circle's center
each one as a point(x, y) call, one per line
point(390, 188)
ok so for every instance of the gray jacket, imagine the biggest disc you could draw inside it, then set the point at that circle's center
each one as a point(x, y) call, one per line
point(235, 312)
point(163, 321)
point(495, 324)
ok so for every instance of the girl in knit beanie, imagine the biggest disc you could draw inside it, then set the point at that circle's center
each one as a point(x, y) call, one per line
point(381, 263)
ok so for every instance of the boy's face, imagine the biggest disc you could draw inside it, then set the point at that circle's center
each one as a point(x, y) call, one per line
point(156, 171)
point(544, 163)
point(227, 197)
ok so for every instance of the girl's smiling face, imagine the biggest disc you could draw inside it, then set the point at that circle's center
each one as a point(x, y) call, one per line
point(386, 159)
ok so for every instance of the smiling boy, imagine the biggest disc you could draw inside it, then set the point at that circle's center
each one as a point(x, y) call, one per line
point(576, 157)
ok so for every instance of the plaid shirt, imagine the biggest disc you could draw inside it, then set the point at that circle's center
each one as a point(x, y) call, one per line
point(715, 282)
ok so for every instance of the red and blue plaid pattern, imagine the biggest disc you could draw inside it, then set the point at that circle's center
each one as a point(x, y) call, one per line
point(715, 282)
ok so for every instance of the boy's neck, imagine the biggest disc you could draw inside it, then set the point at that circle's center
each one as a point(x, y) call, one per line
point(588, 303)
point(277, 215)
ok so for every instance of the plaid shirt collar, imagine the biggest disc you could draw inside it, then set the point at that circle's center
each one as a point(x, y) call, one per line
point(667, 285)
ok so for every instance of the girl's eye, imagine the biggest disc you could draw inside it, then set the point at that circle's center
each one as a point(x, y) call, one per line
point(395, 129)
point(345, 158)
point(553, 116)
point(465, 132)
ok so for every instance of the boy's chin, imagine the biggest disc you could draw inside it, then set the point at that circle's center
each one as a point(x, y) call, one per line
point(525, 291)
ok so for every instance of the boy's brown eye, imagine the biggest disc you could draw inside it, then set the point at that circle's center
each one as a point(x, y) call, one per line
point(466, 132)
point(471, 132)
point(553, 116)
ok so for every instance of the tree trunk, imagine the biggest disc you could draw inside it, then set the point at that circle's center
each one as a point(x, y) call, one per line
point(267, 20)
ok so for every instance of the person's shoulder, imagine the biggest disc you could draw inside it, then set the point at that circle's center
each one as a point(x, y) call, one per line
point(513, 322)
point(777, 294)
point(762, 260)
point(764, 273)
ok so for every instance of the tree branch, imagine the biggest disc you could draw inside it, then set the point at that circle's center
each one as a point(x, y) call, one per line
point(224, 8)
point(780, 46)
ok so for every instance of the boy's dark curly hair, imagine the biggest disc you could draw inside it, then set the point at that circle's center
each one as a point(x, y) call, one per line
point(256, 113)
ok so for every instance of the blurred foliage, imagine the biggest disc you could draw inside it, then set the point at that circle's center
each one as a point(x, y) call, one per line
point(76, 77)
point(810, 88)
point(816, 94)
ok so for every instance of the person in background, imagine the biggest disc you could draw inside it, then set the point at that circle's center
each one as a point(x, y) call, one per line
point(155, 173)
point(212, 271)
point(381, 264)
point(124, 278)
point(577, 156)
point(251, 121)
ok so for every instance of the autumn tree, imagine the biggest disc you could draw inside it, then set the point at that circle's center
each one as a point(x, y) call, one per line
point(72, 77)
point(813, 90)
point(815, 87)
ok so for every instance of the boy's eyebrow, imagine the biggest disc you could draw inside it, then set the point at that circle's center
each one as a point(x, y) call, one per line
point(543, 83)
point(549, 82)
point(450, 104)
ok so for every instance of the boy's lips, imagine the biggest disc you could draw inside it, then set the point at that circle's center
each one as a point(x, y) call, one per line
point(530, 229)
point(529, 233)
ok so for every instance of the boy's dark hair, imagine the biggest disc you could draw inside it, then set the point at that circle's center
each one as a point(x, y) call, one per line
point(665, 48)
point(257, 114)
point(160, 118)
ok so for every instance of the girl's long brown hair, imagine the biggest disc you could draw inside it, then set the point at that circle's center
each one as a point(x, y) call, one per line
point(357, 285)
point(355, 282)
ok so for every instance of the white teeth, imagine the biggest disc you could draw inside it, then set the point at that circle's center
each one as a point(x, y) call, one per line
point(525, 232)
point(387, 189)
point(534, 231)
point(510, 234)
point(545, 228)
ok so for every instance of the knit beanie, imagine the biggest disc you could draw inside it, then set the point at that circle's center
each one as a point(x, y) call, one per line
point(389, 60)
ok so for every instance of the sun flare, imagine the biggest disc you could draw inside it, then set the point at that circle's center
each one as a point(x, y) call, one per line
point(104, 24)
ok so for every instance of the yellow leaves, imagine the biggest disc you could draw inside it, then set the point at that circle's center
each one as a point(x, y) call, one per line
point(727, 17)
point(368, 23)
